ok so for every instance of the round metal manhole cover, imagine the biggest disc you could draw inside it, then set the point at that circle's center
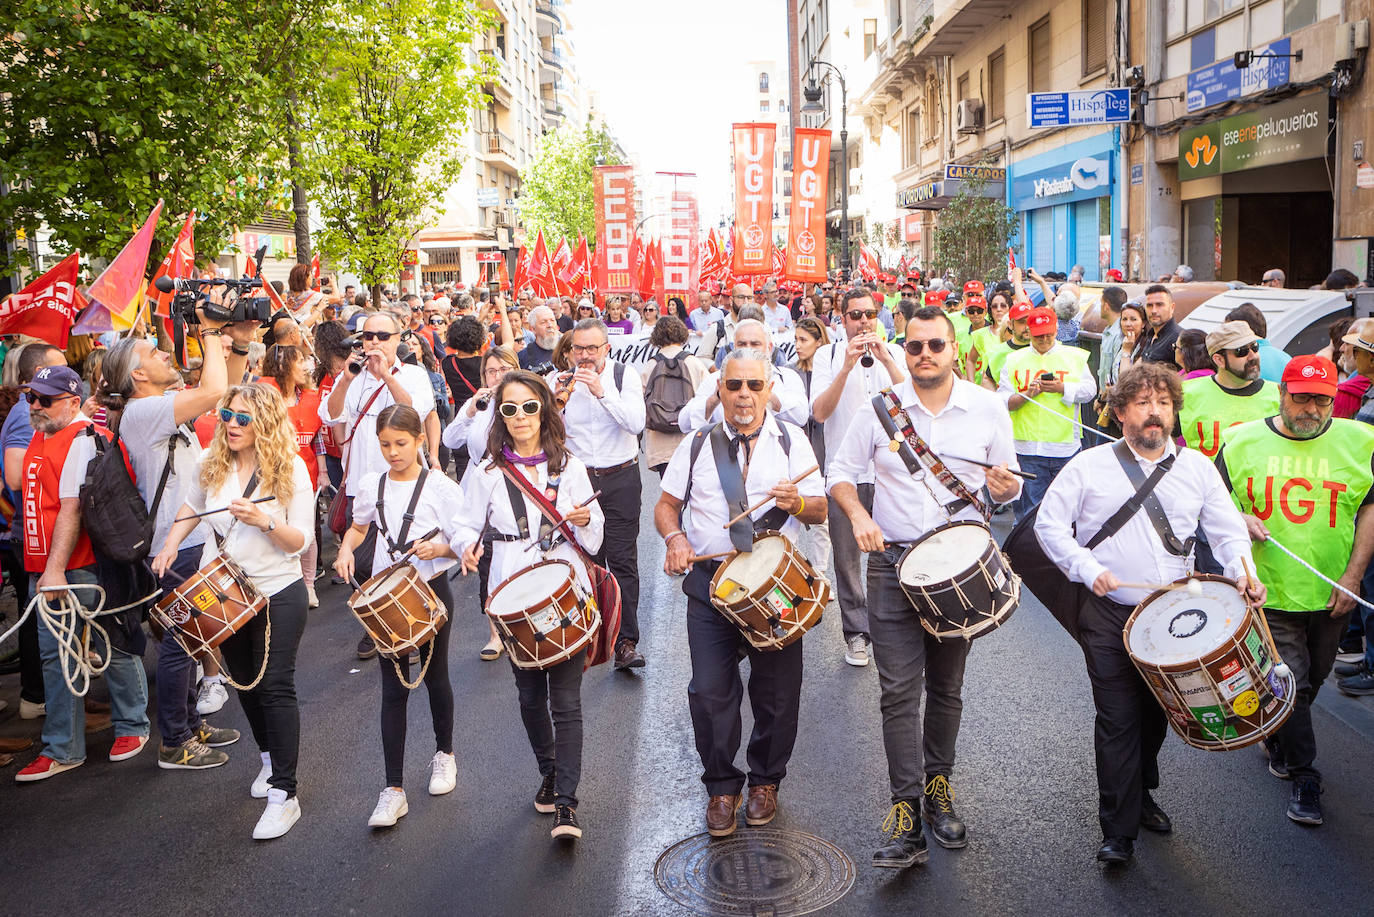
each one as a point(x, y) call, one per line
point(762, 872)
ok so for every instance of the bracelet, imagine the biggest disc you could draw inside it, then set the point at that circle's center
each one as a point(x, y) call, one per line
point(801, 505)
point(673, 534)
point(205, 332)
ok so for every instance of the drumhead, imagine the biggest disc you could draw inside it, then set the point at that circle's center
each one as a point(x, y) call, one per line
point(753, 569)
point(1178, 627)
point(530, 587)
point(384, 586)
point(944, 554)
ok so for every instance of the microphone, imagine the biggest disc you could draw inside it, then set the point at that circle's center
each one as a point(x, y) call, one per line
point(165, 284)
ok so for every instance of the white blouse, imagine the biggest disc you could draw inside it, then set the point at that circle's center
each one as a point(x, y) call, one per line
point(472, 432)
point(433, 510)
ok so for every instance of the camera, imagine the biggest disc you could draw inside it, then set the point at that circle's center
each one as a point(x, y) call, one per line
point(543, 369)
point(237, 303)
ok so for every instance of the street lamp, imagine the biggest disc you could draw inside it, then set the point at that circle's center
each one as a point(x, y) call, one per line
point(813, 105)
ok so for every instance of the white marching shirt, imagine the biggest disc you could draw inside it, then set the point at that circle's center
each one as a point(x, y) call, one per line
point(433, 510)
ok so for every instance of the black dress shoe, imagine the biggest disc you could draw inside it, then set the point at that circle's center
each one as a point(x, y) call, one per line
point(1116, 850)
point(907, 844)
point(1152, 817)
point(366, 647)
point(937, 810)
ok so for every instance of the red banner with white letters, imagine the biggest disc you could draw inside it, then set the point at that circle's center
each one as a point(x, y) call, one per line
point(614, 196)
point(681, 252)
point(806, 228)
point(753, 147)
point(45, 308)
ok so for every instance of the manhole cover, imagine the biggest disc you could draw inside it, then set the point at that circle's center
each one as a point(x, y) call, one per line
point(761, 871)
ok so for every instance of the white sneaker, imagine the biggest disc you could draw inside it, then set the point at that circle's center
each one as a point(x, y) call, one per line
point(281, 813)
point(311, 600)
point(259, 788)
point(391, 805)
point(28, 710)
point(856, 651)
point(212, 696)
point(443, 776)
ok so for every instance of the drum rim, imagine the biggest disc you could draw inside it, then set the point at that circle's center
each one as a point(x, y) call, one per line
point(1211, 655)
point(794, 552)
point(525, 569)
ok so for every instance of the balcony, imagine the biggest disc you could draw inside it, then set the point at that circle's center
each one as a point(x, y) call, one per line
point(548, 18)
point(955, 26)
point(550, 67)
point(554, 114)
point(496, 146)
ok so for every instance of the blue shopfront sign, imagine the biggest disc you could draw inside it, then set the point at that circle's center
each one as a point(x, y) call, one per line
point(1222, 82)
point(1088, 106)
point(1080, 179)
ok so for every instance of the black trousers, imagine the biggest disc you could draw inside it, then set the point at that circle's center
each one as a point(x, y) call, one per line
point(1307, 641)
point(273, 713)
point(30, 664)
point(1130, 725)
point(620, 502)
point(396, 696)
point(716, 692)
point(551, 708)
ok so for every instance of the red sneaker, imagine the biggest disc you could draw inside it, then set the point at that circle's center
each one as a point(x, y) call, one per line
point(42, 768)
point(125, 747)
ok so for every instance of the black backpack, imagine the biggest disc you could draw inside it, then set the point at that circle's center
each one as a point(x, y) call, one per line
point(666, 391)
point(112, 511)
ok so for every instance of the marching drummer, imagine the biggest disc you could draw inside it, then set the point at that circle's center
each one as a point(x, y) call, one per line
point(528, 440)
point(1090, 490)
point(406, 503)
point(966, 427)
point(756, 447)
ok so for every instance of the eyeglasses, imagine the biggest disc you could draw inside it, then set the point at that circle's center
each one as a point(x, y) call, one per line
point(510, 408)
point(1245, 351)
point(587, 348)
point(47, 401)
point(861, 314)
point(436, 319)
point(916, 347)
point(755, 385)
point(238, 417)
point(974, 310)
point(1321, 401)
point(495, 372)
point(378, 335)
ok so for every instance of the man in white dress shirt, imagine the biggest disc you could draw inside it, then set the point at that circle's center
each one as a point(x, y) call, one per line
point(604, 417)
point(1131, 724)
point(788, 392)
point(951, 414)
point(844, 376)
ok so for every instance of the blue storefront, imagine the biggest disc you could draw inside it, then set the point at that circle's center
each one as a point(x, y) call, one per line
point(1068, 201)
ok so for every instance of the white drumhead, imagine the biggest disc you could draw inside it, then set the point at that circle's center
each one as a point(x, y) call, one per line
point(753, 569)
point(1178, 627)
point(529, 587)
point(385, 586)
point(947, 553)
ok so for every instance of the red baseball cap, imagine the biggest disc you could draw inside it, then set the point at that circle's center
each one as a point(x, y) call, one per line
point(1114, 275)
point(933, 298)
point(1310, 374)
point(973, 286)
point(1042, 321)
point(1019, 311)
point(975, 299)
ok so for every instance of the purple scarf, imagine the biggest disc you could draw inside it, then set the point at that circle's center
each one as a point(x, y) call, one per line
point(509, 455)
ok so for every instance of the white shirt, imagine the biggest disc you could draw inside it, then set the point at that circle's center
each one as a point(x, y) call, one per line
point(147, 427)
point(856, 396)
point(787, 385)
point(79, 455)
point(1076, 391)
point(972, 424)
point(486, 501)
point(362, 453)
point(269, 567)
point(472, 432)
point(777, 317)
point(1093, 486)
point(707, 512)
point(434, 510)
point(604, 431)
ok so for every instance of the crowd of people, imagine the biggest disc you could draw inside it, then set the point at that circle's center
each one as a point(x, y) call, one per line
point(456, 431)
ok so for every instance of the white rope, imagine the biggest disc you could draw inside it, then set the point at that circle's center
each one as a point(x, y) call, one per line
point(73, 640)
point(1081, 426)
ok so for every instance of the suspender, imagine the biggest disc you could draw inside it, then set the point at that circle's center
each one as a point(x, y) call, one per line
point(398, 546)
point(517, 505)
point(732, 480)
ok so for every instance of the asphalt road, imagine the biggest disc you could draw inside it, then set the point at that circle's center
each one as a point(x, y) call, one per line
point(129, 837)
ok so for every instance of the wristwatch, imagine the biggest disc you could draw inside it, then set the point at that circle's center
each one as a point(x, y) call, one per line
point(271, 525)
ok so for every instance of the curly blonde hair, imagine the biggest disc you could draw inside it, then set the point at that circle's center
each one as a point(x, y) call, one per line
point(275, 444)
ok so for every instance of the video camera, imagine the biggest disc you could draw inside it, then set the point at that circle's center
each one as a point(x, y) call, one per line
point(236, 302)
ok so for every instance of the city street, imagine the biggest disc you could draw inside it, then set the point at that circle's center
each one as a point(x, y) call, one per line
point(129, 837)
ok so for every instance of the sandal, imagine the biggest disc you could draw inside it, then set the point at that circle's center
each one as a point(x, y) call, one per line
point(492, 651)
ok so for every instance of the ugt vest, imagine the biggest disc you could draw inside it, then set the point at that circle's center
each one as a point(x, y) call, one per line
point(1208, 409)
point(1032, 425)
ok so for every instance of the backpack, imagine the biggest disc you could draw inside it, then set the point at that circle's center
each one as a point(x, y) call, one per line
point(666, 391)
point(113, 513)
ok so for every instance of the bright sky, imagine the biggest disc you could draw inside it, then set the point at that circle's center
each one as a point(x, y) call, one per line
point(671, 77)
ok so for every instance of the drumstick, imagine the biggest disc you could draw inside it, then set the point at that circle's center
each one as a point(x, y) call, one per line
point(587, 502)
point(416, 543)
point(222, 509)
point(770, 498)
point(697, 557)
point(972, 461)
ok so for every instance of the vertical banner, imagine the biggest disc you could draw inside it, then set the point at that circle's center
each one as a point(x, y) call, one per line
point(753, 198)
point(806, 228)
point(681, 250)
point(614, 195)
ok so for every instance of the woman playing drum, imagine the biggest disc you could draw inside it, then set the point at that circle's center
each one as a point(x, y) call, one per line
point(528, 441)
point(253, 454)
point(408, 488)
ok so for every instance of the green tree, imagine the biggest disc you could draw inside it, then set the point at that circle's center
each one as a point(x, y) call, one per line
point(398, 84)
point(556, 194)
point(973, 234)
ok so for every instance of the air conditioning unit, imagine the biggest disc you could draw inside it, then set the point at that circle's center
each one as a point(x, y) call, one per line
point(968, 116)
point(500, 218)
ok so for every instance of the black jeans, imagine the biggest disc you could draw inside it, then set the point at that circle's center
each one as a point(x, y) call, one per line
point(716, 693)
point(273, 714)
point(30, 663)
point(556, 740)
point(176, 671)
point(620, 501)
point(396, 695)
point(1307, 642)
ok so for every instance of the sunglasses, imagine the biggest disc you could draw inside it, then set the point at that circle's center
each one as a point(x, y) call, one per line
point(47, 401)
point(859, 315)
point(755, 385)
point(1321, 401)
point(974, 310)
point(1245, 351)
point(916, 348)
point(238, 417)
point(510, 408)
point(436, 319)
point(378, 335)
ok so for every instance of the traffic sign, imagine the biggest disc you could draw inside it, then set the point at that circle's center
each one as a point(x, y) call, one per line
point(1089, 106)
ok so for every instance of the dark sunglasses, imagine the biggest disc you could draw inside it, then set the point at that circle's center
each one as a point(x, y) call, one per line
point(378, 335)
point(47, 401)
point(755, 385)
point(1321, 401)
point(859, 315)
point(242, 419)
point(436, 319)
point(936, 345)
point(510, 408)
point(1245, 351)
point(974, 310)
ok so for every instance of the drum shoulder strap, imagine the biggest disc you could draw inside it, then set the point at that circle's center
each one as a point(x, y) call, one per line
point(398, 546)
point(247, 492)
point(698, 440)
point(917, 455)
point(1144, 497)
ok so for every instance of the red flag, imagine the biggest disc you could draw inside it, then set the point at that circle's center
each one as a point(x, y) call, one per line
point(753, 197)
point(648, 271)
point(583, 259)
point(179, 264)
point(598, 272)
point(541, 269)
point(522, 269)
point(868, 263)
point(614, 199)
point(315, 269)
point(562, 261)
point(806, 225)
point(636, 263)
point(116, 296)
point(45, 308)
point(502, 276)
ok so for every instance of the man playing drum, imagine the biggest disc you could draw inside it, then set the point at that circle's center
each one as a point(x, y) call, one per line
point(1091, 488)
point(946, 413)
point(761, 448)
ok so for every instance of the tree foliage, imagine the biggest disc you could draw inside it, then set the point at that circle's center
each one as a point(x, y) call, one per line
point(556, 185)
point(973, 234)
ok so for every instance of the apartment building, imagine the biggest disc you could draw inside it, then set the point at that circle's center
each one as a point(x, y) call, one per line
point(764, 100)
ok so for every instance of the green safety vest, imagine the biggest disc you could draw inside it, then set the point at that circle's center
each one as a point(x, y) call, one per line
point(997, 358)
point(961, 338)
point(981, 343)
point(1207, 407)
point(1033, 425)
point(1307, 493)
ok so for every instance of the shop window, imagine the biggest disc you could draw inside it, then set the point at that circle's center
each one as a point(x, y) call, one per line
point(1298, 13)
point(870, 36)
point(1038, 56)
point(911, 140)
point(1094, 36)
point(997, 86)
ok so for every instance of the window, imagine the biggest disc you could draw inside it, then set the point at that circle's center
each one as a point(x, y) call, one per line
point(1298, 13)
point(763, 106)
point(870, 36)
point(911, 139)
point(763, 83)
point(787, 187)
point(1094, 36)
point(961, 90)
point(1038, 56)
point(997, 85)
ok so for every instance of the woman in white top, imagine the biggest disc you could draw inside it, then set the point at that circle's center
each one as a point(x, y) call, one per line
point(254, 454)
point(408, 488)
point(529, 441)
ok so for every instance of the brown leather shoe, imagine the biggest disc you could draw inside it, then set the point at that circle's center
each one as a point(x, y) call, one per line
point(627, 656)
point(8, 745)
point(720, 815)
point(762, 805)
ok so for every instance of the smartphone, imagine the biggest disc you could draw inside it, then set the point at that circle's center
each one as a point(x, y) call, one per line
point(1047, 377)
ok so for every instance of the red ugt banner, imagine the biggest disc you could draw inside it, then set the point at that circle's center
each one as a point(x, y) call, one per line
point(614, 194)
point(806, 229)
point(753, 198)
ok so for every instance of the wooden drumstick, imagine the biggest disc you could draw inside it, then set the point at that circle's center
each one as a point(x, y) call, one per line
point(768, 499)
point(1026, 475)
point(222, 509)
point(416, 543)
point(587, 502)
point(699, 557)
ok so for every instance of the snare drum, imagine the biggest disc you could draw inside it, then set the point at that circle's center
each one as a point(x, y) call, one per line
point(543, 615)
point(959, 581)
point(771, 594)
point(398, 609)
point(212, 604)
point(1208, 662)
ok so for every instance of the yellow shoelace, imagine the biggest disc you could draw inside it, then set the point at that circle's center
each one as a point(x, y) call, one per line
point(900, 819)
point(939, 789)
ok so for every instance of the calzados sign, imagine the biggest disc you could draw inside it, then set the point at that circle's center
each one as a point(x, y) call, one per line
point(614, 193)
point(753, 198)
point(806, 229)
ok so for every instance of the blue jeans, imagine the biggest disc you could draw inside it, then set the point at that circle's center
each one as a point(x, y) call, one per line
point(1367, 615)
point(64, 728)
point(176, 671)
point(1032, 492)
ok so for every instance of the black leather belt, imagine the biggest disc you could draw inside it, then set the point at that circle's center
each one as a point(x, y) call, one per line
point(602, 472)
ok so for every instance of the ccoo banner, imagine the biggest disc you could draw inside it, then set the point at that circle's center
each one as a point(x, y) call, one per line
point(806, 229)
point(753, 252)
point(614, 194)
point(681, 251)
